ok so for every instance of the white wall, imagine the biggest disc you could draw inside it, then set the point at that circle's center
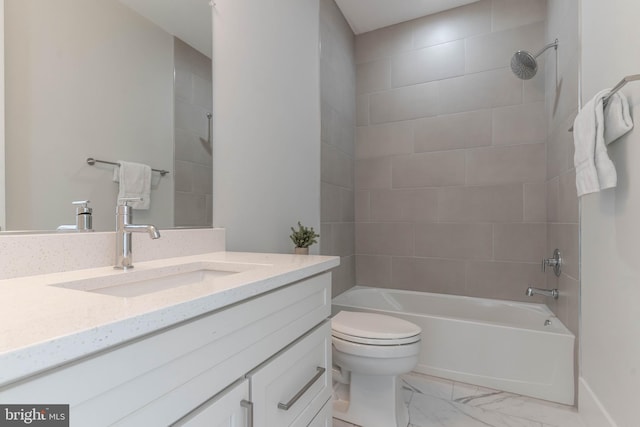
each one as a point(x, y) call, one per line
point(84, 79)
point(266, 149)
point(2, 174)
point(610, 227)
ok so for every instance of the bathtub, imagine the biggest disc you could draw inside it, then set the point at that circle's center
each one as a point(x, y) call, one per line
point(502, 345)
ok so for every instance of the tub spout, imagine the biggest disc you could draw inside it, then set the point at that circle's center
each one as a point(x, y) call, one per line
point(553, 293)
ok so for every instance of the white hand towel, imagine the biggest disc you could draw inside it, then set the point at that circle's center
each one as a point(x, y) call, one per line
point(617, 118)
point(594, 170)
point(135, 181)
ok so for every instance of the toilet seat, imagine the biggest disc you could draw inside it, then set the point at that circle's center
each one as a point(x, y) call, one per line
point(373, 329)
point(375, 341)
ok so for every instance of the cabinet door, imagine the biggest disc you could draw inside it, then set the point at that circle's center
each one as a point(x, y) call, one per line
point(229, 408)
point(292, 387)
point(324, 417)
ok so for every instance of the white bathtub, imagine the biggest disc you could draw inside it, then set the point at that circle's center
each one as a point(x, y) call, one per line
point(502, 345)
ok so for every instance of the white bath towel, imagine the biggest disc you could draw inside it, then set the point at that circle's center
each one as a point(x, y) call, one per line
point(594, 169)
point(135, 181)
point(617, 118)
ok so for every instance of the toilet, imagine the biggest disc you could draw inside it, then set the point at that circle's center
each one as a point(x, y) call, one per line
point(369, 352)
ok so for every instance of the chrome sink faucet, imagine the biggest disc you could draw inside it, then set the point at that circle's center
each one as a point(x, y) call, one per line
point(124, 228)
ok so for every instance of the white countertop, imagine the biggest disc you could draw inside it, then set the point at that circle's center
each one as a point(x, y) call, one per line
point(43, 326)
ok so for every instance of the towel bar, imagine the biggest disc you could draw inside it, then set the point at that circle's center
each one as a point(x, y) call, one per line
point(616, 88)
point(92, 161)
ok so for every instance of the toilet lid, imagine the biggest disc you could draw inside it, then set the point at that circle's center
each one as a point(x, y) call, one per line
point(371, 328)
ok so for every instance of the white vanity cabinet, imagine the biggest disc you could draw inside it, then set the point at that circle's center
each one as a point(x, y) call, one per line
point(220, 369)
point(290, 389)
point(229, 408)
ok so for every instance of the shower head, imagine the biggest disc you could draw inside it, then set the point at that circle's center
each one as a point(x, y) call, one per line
point(524, 64)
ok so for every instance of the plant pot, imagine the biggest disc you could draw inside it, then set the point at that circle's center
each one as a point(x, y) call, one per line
point(301, 251)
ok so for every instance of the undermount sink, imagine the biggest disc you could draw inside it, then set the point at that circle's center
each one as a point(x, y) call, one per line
point(141, 282)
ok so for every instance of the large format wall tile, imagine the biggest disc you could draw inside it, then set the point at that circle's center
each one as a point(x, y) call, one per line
point(521, 163)
point(383, 43)
point(428, 275)
point(373, 173)
point(385, 238)
point(520, 242)
point(373, 270)
point(481, 204)
point(487, 89)
point(429, 169)
point(336, 166)
point(373, 76)
point(404, 103)
point(431, 63)
point(404, 205)
point(384, 140)
point(535, 202)
point(519, 124)
point(456, 241)
point(454, 24)
point(453, 131)
point(515, 13)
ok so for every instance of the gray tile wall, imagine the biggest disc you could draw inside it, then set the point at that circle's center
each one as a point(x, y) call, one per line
point(338, 118)
point(451, 157)
point(561, 107)
point(192, 153)
point(562, 203)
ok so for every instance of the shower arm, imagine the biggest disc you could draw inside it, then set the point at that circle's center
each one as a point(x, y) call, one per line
point(553, 45)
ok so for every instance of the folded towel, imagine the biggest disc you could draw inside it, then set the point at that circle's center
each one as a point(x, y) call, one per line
point(594, 169)
point(135, 181)
point(617, 118)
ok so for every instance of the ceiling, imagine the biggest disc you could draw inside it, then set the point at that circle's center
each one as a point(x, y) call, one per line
point(369, 15)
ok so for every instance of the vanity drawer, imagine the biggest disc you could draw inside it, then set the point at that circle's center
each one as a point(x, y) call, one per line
point(158, 378)
point(224, 409)
point(291, 388)
point(324, 418)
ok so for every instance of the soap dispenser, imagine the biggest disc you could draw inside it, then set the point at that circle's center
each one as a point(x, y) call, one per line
point(84, 219)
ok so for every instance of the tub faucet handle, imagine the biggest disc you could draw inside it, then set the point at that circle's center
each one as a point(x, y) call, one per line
point(555, 262)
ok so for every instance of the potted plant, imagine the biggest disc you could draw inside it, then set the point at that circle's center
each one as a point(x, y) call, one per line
point(303, 237)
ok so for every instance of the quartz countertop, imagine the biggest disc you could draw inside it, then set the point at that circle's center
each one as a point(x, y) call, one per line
point(43, 325)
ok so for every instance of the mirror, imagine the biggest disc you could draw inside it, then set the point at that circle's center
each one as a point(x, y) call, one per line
point(110, 80)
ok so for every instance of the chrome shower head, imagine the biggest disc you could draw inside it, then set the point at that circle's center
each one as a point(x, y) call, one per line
point(524, 64)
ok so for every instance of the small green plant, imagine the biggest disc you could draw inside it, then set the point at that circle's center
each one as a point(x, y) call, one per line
point(303, 237)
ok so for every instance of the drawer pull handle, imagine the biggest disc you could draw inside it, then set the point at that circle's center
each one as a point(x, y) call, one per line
point(249, 407)
point(303, 390)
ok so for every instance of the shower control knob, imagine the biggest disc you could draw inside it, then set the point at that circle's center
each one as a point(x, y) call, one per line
point(555, 262)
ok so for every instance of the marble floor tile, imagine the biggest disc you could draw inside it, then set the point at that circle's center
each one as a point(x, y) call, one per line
point(434, 402)
point(547, 413)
